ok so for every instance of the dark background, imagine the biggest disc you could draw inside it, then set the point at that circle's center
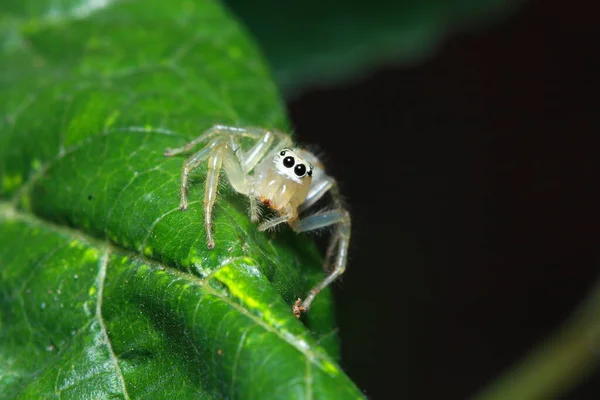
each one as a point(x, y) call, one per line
point(472, 180)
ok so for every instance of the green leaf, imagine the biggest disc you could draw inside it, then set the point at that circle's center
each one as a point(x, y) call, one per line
point(106, 289)
point(316, 41)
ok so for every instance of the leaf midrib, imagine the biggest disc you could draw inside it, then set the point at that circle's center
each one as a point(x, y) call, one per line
point(102, 266)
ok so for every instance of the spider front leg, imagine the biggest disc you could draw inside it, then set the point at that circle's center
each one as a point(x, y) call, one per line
point(340, 240)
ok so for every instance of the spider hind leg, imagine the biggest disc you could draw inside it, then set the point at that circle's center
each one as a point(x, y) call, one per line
point(338, 249)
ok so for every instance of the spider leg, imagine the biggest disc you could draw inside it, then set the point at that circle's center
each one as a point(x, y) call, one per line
point(213, 131)
point(190, 164)
point(215, 161)
point(216, 130)
point(254, 213)
point(289, 215)
point(222, 155)
point(252, 157)
point(341, 240)
point(319, 186)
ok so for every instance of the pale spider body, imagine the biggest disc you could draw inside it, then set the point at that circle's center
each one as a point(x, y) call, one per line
point(280, 186)
point(287, 180)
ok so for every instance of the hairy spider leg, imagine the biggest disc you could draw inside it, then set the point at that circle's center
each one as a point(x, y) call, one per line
point(250, 159)
point(341, 239)
point(290, 214)
point(215, 161)
point(321, 182)
point(338, 204)
point(190, 164)
point(214, 131)
point(318, 188)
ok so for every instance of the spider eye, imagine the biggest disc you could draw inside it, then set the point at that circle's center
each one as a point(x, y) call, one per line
point(300, 170)
point(282, 153)
point(309, 172)
point(288, 162)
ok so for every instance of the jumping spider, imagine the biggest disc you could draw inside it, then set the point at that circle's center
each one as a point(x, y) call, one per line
point(288, 180)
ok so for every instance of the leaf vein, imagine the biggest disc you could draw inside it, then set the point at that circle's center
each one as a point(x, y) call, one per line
point(236, 362)
point(39, 173)
point(135, 176)
point(308, 380)
point(156, 221)
point(103, 265)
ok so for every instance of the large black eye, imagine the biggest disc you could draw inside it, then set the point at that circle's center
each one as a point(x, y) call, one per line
point(300, 170)
point(288, 162)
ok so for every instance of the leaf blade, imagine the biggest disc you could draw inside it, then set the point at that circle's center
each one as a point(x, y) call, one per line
point(108, 290)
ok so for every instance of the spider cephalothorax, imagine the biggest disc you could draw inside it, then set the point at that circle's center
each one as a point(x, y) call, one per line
point(287, 180)
point(282, 182)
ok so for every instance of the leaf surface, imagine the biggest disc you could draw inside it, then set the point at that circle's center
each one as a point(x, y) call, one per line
point(106, 289)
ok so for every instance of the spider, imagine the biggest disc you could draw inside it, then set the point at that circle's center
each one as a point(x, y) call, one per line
point(288, 180)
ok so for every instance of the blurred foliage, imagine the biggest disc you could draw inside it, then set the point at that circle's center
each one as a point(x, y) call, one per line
point(316, 41)
point(559, 363)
